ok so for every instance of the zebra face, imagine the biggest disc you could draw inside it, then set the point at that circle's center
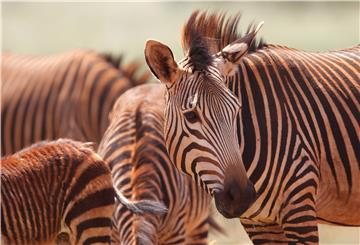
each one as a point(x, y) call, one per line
point(200, 127)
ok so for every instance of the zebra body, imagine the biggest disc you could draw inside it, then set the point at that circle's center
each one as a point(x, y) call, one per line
point(134, 148)
point(67, 95)
point(56, 192)
point(310, 104)
point(270, 120)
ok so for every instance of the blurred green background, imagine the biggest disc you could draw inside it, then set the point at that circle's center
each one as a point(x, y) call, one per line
point(123, 27)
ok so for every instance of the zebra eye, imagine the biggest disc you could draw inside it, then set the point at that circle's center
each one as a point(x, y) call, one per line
point(191, 116)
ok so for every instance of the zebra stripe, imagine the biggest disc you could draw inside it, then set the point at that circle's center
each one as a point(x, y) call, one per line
point(57, 191)
point(297, 128)
point(134, 148)
point(66, 95)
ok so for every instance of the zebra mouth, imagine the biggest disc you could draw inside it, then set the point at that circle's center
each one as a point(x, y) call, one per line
point(232, 202)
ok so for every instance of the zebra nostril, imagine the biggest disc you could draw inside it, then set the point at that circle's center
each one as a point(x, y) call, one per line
point(232, 192)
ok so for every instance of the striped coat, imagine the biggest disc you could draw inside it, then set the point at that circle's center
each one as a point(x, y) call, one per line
point(66, 95)
point(133, 146)
point(56, 192)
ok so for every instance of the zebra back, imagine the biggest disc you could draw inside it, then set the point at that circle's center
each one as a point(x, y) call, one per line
point(66, 95)
point(56, 192)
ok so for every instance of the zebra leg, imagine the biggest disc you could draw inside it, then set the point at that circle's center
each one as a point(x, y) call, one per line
point(264, 233)
point(298, 225)
point(297, 212)
point(299, 221)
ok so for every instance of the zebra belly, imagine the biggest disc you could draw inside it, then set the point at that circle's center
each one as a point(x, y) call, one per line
point(337, 203)
point(335, 210)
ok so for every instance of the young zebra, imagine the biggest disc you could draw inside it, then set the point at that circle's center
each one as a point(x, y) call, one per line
point(56, 192)
point(67, 95)
point(271, 132)
point(134, 148)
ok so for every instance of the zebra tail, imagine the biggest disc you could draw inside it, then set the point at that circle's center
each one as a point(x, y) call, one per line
point(140, 207)
point(144, 232)
point(215, 226)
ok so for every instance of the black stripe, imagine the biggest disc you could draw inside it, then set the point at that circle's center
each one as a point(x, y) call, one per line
point(104, 104)
point(248, 128)
point(44, 123)
point(261, 117)
point(20, 199)
point(76, 95)
point(13, 120)
point(92, 223)
point(98, 199)
point(98, 239)
point(94, 87)
point(121, 157)
point(34, 114)
point(5, 207)
point(57, 91)
point(92, 172)
point(115, 146)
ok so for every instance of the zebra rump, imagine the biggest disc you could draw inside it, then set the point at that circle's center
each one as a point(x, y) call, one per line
point(56, 192)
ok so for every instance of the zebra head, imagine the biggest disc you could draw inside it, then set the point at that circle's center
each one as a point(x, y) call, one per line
point(201, 117)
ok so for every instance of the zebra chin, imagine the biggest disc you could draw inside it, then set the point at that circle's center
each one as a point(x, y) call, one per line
point(234, 200)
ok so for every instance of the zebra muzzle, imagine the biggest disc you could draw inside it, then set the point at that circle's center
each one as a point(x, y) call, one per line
point(235, 199)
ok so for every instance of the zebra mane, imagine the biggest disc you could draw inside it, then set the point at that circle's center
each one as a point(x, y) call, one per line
point(217, 31)
point(114, 60)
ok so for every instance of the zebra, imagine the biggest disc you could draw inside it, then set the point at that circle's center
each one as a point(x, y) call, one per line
point(271, 132)
point(68, 95)
point(56, 192)
point(134, 148)
point(60, 192)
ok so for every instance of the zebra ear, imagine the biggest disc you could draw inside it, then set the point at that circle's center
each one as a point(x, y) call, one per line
point(161, 62)
point(235, 50)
